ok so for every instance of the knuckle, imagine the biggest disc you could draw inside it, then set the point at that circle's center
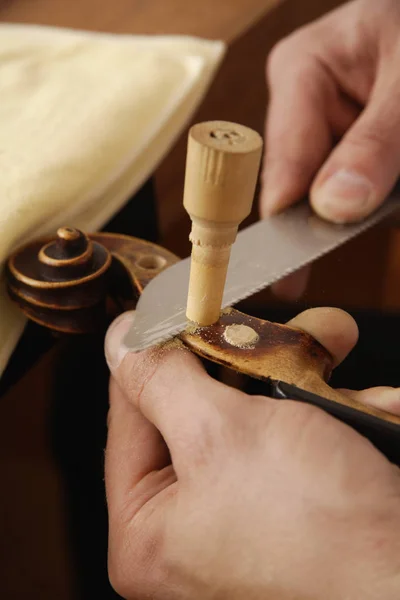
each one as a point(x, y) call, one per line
point(286, 52)
point(277, 56)
point(372, 136)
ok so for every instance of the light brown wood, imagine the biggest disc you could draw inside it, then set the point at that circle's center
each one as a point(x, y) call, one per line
point(240, 336)
point(225, 19)
point(222, 165)
point(278, 353)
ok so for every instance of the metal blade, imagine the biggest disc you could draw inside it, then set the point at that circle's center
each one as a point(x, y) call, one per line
point(263, 253)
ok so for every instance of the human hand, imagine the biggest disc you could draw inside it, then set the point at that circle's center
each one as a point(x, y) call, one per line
point(216, 494)
point(334, 80)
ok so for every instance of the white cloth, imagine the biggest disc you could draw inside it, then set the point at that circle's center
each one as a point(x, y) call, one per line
point(85, 118)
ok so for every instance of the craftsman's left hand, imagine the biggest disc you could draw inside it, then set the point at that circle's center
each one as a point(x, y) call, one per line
point(215, 494)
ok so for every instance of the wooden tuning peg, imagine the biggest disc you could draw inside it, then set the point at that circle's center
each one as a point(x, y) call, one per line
point(222, 166)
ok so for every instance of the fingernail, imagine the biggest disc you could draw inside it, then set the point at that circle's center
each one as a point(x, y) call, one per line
point(114, 347)
point(345, 196)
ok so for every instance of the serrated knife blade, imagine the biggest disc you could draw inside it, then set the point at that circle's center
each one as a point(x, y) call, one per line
point(262, 254)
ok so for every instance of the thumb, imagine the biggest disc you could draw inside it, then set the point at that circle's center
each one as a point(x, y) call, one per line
point(169, 387)
point(363, 168)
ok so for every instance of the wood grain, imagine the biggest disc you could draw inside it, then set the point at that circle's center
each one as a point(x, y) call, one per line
point(222, 165)
point(280, 353)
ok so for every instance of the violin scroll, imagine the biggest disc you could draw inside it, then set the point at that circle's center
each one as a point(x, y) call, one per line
point(61, 283)
point(77, 283)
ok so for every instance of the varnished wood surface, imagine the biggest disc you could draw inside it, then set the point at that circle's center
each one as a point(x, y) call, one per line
point(221, 19)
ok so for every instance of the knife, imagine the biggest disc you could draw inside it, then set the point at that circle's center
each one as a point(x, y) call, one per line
point(262, 254)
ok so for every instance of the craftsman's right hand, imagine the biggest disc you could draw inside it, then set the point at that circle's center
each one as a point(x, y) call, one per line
point(214, 494)
point(333, 124)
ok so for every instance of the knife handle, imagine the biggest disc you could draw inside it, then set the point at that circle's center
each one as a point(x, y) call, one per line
point(383, 434)
point(222, 166)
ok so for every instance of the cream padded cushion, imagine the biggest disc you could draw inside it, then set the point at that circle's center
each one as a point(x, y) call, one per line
point(85, 118)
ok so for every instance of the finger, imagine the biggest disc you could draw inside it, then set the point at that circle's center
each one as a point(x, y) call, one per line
point(385, 398)
point(136, 457)
point(363, 168)
point(138, 478)
point(170, 387)
point(292, 287)
point(298, 135)
point(335, 329)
